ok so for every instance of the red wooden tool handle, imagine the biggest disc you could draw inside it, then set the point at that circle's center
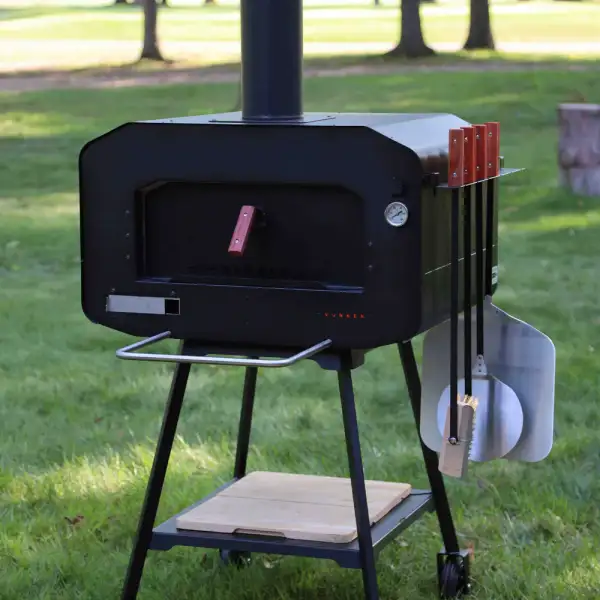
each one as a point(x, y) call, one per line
point(493, 148)
point(469, 165)
point(241, 233)
point(456, 158)
point(481, 155)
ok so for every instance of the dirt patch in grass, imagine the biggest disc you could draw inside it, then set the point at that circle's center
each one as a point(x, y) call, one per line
point(137, 74)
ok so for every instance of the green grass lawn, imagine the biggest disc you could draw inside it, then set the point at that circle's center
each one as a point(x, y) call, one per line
point(78, 426)
point(77, 36)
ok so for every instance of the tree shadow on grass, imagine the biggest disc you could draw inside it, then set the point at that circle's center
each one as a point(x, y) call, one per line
point(290, 419)
point(79, 542)
point(173, 71)
point(36, 165)
point(113, 404)
point(33, 164)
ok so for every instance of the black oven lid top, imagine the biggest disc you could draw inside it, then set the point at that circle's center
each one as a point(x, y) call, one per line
point(426, 134)
point(406, 142)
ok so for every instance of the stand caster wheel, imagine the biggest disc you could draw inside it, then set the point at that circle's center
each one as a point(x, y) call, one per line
point(453, 573)
point(235, 558)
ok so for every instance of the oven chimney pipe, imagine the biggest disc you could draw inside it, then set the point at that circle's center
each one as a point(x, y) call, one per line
point(271, 60)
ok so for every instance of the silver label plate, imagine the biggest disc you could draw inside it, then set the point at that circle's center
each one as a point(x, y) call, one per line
point(142, 305)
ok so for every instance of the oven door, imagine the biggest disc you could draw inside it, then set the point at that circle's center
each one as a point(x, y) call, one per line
point(308, 237)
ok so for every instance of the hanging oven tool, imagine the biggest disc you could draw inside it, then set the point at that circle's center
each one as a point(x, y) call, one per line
point(459, 415)
point(469, 179)
point(499, 412)
point(526, 357)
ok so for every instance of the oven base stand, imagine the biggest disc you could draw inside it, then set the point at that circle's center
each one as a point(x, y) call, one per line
point(453, 564)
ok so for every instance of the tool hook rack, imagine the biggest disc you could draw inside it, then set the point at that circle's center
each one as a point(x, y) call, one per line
point(452, 562)
point(474, 162)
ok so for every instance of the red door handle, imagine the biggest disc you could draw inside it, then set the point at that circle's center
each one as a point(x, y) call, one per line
point(241, 233)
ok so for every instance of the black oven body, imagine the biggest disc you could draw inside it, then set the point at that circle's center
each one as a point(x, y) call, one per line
point(160, 200)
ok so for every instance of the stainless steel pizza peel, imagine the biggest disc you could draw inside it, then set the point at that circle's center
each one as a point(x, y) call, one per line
point(527, 358)
point(517, 353)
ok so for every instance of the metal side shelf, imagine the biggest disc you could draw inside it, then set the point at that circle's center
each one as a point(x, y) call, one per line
point(166, 535)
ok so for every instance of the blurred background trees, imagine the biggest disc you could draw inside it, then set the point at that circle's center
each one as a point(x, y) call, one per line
point(411, 43)
point(480, 26)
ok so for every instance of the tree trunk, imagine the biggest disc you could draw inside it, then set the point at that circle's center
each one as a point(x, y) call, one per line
point(579, 148)
point(480, 27)
point(150, 49)
point(411, 44)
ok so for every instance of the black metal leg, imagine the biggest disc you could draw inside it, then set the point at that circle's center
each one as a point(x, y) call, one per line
point(156, 481)
point(243, 441)
point(436, 481)
point(357, 477)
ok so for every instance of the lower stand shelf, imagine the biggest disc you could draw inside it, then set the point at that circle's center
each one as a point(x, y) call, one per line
point(418, 502)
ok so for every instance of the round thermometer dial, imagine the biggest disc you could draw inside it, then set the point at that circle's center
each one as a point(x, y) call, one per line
point(396, 214)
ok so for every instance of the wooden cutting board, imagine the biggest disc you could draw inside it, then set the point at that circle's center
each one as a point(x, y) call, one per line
point(301, 507)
